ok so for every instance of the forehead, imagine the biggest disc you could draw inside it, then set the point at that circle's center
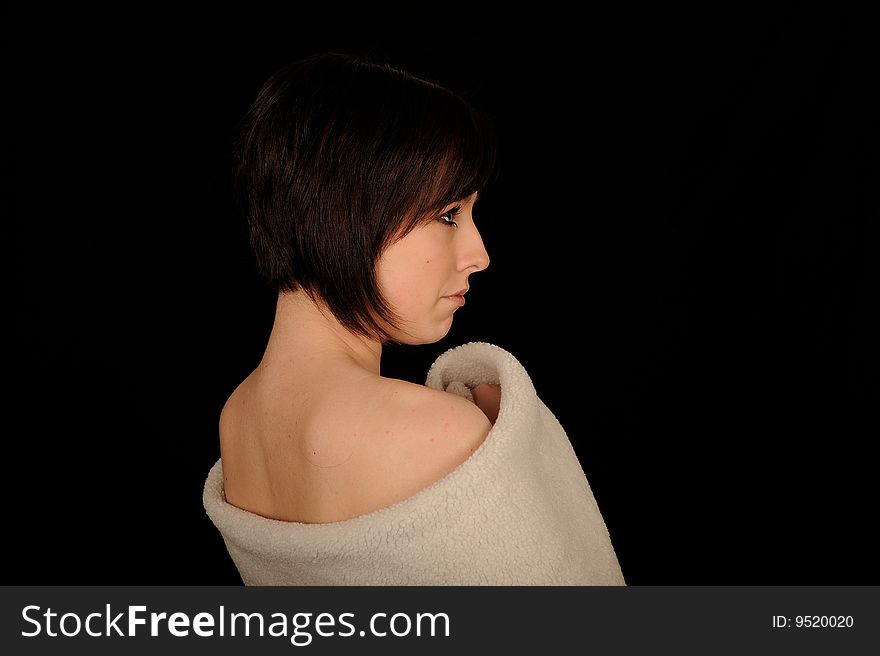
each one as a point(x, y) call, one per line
point(470, 200)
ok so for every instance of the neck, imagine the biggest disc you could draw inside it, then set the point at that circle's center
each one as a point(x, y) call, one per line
point(302, 332)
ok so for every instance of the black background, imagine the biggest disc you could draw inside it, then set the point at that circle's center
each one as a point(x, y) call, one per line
point(683, 241)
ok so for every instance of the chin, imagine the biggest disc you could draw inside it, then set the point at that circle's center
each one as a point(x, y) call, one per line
point(432, 336)
point(432, 340)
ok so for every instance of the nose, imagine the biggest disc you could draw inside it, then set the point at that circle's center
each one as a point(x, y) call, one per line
point(475, 254)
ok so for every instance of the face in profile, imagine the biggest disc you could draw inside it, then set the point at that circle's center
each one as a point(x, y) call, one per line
point(435, 260)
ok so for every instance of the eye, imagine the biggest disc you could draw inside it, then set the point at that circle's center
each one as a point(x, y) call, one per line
point(446, 218)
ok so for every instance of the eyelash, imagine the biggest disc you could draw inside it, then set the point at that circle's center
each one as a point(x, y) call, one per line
point(453, 212)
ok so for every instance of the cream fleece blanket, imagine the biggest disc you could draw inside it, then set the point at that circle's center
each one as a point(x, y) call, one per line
point(518, 511)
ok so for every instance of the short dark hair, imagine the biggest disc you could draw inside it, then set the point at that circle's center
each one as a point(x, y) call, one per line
point(338, 157)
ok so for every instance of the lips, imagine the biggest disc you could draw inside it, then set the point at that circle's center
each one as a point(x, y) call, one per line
point(460, 292)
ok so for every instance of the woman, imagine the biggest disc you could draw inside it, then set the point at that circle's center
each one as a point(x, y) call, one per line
point(359, 183)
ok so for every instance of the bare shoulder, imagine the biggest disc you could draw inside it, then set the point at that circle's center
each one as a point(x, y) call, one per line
point(437, 413)
point(427, 434)
point(318, 464)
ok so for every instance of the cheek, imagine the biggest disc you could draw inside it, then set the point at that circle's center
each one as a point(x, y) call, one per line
point(414, 270)
point(415, 285)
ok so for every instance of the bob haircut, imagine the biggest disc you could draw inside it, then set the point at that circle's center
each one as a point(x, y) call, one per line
point(339, 157)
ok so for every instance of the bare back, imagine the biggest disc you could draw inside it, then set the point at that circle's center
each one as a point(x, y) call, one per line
point(314, 452)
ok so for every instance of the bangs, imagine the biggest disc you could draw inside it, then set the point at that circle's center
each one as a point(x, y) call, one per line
point(464, 163)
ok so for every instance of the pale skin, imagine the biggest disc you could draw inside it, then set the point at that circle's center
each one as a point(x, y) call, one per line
point(317, 405)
